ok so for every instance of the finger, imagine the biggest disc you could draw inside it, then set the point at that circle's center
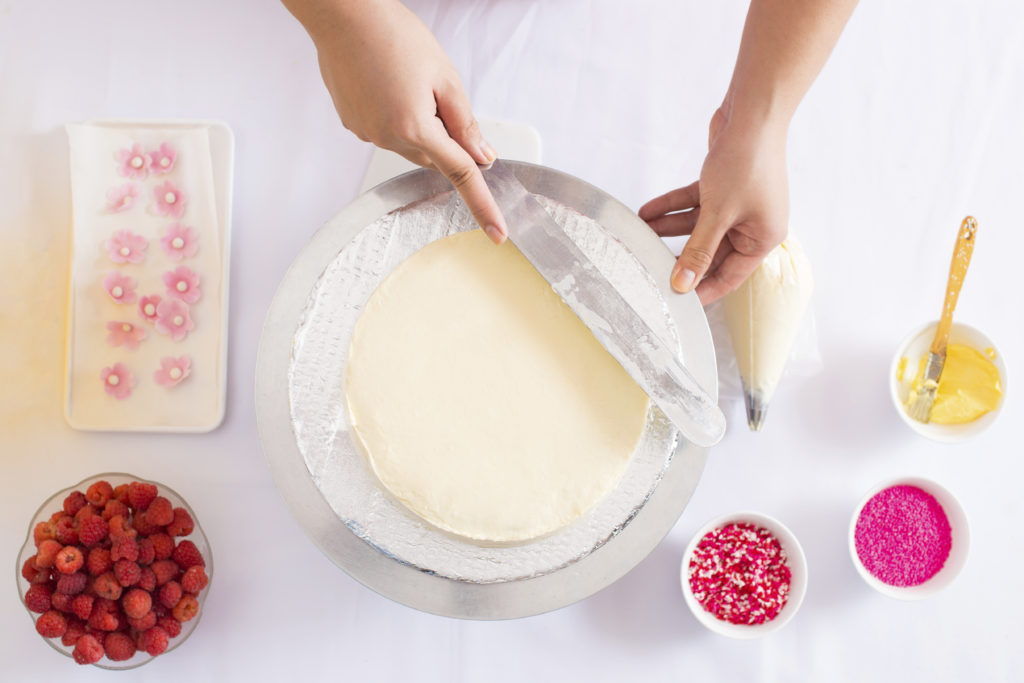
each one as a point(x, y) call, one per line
point(461, 170)
point(675, 224)
point(677, 200)
point(699, 252)
point(416, 156)
point(729, 275)
point(457, 116)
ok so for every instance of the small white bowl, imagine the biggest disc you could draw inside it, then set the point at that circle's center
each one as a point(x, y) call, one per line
point(913, 348)
point(961, 542)
point(797, 584)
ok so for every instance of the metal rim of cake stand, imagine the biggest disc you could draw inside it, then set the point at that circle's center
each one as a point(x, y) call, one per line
point(406, 584)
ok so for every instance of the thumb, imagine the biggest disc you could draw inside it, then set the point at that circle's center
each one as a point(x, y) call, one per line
point(457, 116)
point(699, 252)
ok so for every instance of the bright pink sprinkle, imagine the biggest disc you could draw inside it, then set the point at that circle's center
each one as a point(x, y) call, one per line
point(903, 536)
point(739, 574)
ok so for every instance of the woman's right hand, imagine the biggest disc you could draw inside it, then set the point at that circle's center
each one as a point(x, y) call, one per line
point(393, 85)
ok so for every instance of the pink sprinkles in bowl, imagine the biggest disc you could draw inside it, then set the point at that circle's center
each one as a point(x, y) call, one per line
point(903, 537)
point(739, 574)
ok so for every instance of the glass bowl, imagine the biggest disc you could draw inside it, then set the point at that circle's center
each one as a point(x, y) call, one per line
point(55, 502)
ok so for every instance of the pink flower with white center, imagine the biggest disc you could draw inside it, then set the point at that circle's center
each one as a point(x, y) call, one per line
point(180, 242)
point(125, 334)
point(172, 317)
point(172, 370)
point(121, 288)
point(118, 381)
point(134, 162)
point(183, 283)
point(163, 159)
point(147, 307)
point(122, 197)
point(126, 247)
point(169, 200)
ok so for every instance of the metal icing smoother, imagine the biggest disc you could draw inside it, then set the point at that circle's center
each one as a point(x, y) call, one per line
point(648, 359)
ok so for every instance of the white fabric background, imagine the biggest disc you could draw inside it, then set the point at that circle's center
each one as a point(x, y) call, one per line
point(914, 123)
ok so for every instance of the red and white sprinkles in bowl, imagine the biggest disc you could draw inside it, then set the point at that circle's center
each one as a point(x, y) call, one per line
point(739, 574)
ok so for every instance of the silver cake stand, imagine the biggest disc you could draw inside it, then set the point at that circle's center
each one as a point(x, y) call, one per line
point(407, 584)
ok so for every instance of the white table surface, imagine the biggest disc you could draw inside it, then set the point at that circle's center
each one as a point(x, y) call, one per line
point(914, 123)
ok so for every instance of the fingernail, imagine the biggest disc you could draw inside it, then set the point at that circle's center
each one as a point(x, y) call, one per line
point(682, 279)
point(495, 233)
point(488, 151)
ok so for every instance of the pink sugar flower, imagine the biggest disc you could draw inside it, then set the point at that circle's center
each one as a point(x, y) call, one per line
point(172, 370)
point(169, 200)
point(172, 317)
point(147, 307)
point(134, 162)
point(126, 247)
point(125, 334)
point(183, 283)
point(122, 197)
point(180, 242)
point(118, 381)
point(163, 159)
point(121, 288)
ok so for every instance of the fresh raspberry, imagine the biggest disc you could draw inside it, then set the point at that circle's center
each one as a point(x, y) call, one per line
point(140, 495)
point(186, 609)
point(171, 625)
point(182, 524)
point(32, 573)
point(124, 548)
point(186, 554)
point(147, 552)
point(87, 650)
point(144, 525)
point(46, 554)
point(69, 560)
point(143, 623)
point(120, 526)
point(98, 561)
point(119, 647)
point(106, 586)
point(74, 502)
point(104, 616)
point(67, 534)
point(51, 625)
point(115, 507)
point(194, 580)
point(165, 570)
point(121, 493)
point(72, 584)
point(136, 603)
point(154, 641)
point(92, 531)
point(99, 493)
point(127, 572)
point(147, 580)
point(43, 531)
point(75, 630)
point(163, 545)
point(160, 511)
point(37, 598)
point(170, 594)
point(85, 513)
point(82, 606)
point(61, 601)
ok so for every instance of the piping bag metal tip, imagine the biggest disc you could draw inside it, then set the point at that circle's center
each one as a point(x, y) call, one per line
point(648, 359)
point(757, 410)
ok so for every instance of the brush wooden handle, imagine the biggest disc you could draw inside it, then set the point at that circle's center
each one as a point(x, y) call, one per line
point(957, 271)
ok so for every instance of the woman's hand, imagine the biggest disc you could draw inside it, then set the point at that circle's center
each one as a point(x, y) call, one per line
point(735, 214)
point(393, 85)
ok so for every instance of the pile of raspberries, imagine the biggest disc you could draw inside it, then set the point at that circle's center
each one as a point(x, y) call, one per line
point(109, 577)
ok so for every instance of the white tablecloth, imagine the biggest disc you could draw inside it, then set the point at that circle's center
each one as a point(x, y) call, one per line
point(914, 123)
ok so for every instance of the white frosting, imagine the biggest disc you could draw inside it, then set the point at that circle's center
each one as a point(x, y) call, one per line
point(124, 251)
point(126, 327)
point(149, 309)
point(764, 315)
point(177, 243)
point(165, 162)
point(174, 373)
point(482, 402)
point(136, 162)
point(116, 291)
point(181, 286)
point(113, 380)
point(178, 321)
point(170, 197)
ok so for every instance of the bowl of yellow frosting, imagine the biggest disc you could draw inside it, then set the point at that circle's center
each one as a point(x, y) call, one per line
point(971, 389)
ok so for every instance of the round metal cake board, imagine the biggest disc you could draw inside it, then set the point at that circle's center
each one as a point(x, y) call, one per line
point(407, 584)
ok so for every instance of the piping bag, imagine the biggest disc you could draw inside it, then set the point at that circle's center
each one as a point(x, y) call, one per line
point(763, 316)
point(648, 359)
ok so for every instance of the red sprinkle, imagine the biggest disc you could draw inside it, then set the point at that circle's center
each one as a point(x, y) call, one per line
point(903, 536)
point(739, 574)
